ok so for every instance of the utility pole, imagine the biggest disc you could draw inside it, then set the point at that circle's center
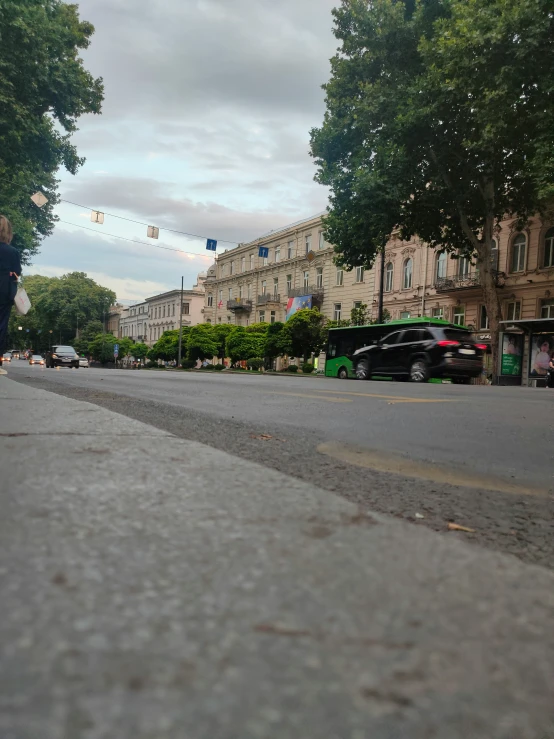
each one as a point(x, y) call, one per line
point(381, 286)
point(180, 324)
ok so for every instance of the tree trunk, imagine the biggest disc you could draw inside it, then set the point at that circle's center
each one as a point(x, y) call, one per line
point(488, 278)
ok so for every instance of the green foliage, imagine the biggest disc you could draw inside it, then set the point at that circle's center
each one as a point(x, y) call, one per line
point(167, 346)
point(188, 363)
point(439, 121)
point(44, 89)
point(360, 316)
point(254, 363)
point(101, 348)
point(202, 343)
point(242, 344)
point(257, 328)
point(58, 306)
point(139, 351)
point(218, 367)
point(292, 368)
point(86, 335)
point(220, 332)
point(307, 368)
point(305, 332)
point(277, 342)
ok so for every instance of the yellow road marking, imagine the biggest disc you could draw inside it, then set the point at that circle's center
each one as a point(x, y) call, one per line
point(329, 398)
point(382, 461)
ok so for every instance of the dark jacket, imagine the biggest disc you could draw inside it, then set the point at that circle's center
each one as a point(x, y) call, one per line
point(9, 262)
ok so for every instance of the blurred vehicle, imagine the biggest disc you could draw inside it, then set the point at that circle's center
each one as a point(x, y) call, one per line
point(7, 357)
point(36, 359)
point(62, 356)
point(15, 354)
point(418, 354)
point(83, 362)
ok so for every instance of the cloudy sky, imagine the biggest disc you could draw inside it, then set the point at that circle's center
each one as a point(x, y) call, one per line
point(205, 129)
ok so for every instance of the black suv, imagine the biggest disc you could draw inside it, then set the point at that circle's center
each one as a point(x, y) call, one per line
point(62, 356)
point(421, 353)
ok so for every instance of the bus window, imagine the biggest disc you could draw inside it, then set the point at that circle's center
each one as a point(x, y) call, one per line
point(332, 350)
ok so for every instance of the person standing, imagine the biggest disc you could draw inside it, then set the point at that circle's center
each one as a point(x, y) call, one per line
point(10, 269)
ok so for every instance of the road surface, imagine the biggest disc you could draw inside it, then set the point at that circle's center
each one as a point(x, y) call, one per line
point(432, 454)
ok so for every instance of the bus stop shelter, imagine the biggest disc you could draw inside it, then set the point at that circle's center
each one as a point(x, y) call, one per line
point(525, 350)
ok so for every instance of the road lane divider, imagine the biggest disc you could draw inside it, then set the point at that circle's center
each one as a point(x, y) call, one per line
point(398, 464)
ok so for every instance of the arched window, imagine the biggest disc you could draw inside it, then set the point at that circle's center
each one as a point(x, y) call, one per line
point(518, 253)
point(464, 265)
point(548, 260)
point(389, 275)
point(441, 265)
point(408, 274)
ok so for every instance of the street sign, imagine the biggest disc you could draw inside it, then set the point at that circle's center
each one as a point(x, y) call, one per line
point(211, 244)
point(96, 216)
point(153, 232)
point(263, 251)
point(116, 350)
point(39, 199)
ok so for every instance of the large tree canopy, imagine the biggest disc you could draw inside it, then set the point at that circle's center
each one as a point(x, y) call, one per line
point(44, 89)
point(439, 122)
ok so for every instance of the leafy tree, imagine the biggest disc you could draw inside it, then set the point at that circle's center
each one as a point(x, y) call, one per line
point(305, 332)
point(44, 89)
point(101, 347)
point(220, 333)
point(277, 341)
point(360, 316)
point(167, 346)
point(88, 333)
point(139, 351)
point(242, 344)
point(202, 342)
point(439, 122)
point(257, 328)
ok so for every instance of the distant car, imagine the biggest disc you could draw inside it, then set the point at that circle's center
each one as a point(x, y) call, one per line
point(62, 356)
point(36, 359)
point(7, 357)
point(83, 362)
point(15, 354)
point(418, 354)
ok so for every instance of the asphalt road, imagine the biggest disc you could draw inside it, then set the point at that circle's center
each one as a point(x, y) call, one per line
point(477, 456)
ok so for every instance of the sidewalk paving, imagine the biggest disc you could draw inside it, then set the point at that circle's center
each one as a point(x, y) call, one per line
point(156, 588)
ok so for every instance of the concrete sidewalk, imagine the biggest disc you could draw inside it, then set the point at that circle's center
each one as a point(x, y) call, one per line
point(155, 588)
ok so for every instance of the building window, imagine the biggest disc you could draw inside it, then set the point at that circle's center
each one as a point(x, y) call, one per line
point(494, 254)
point(264, 287)
point(518, 253)
point(459, 315)
point(405, 314)
point(408, 274)
point(319, 277)
point(266, 260)
point(441, 266)
point(251, 261)
point(464, 265)
point(547, 309)
point(277, 254)
point(340, 277)
point(359, 274)
point(208, 320)
point(483, 318)
point(219, 319)
point(249, 290)
point(221, 296)
point(308, 243)
point(241, 291)
point(337, 311)
point(548, 260)
point(290, 249)
point(262, 316)
point(321, 240)
point(357, 304)
point(210, 300)
point(438, 313)
point(243, 264)
point(164, 312)
point(186, 309)
point(513, 311)
point(228, 319)
point(306, 278)
point(275, 285)
point(232, 268)
point(389, 274)
point(230, 293)
point(289, 282)
point(272, 317)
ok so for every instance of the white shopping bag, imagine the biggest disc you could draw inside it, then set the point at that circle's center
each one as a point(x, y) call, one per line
point(22, 302)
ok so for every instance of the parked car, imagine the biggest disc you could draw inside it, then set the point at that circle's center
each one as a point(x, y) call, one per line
point(36, 359)
point(418, 354)
point(83, 362)
point(7, 357)
point(62, 356)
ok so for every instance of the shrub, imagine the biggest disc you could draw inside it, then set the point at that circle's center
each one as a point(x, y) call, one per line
point(292, 368)
point(218, 367)
point(255, 363)
point(307, 368)
point(207, 367)
point(188, 364)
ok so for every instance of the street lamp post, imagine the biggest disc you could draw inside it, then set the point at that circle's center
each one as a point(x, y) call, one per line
point(381, 286)
point(180, 325)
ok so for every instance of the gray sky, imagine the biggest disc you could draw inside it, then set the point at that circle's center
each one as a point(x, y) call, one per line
point(205, 129)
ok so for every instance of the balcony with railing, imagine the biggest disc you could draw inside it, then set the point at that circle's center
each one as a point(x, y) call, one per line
point(239, 305)
point(466, 281)
point(316, 293)
point(266, 298)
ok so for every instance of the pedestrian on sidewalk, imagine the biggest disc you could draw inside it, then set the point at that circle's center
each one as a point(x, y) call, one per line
point(10, 269)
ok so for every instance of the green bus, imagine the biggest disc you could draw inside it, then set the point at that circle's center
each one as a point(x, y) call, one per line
point(343, 342)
